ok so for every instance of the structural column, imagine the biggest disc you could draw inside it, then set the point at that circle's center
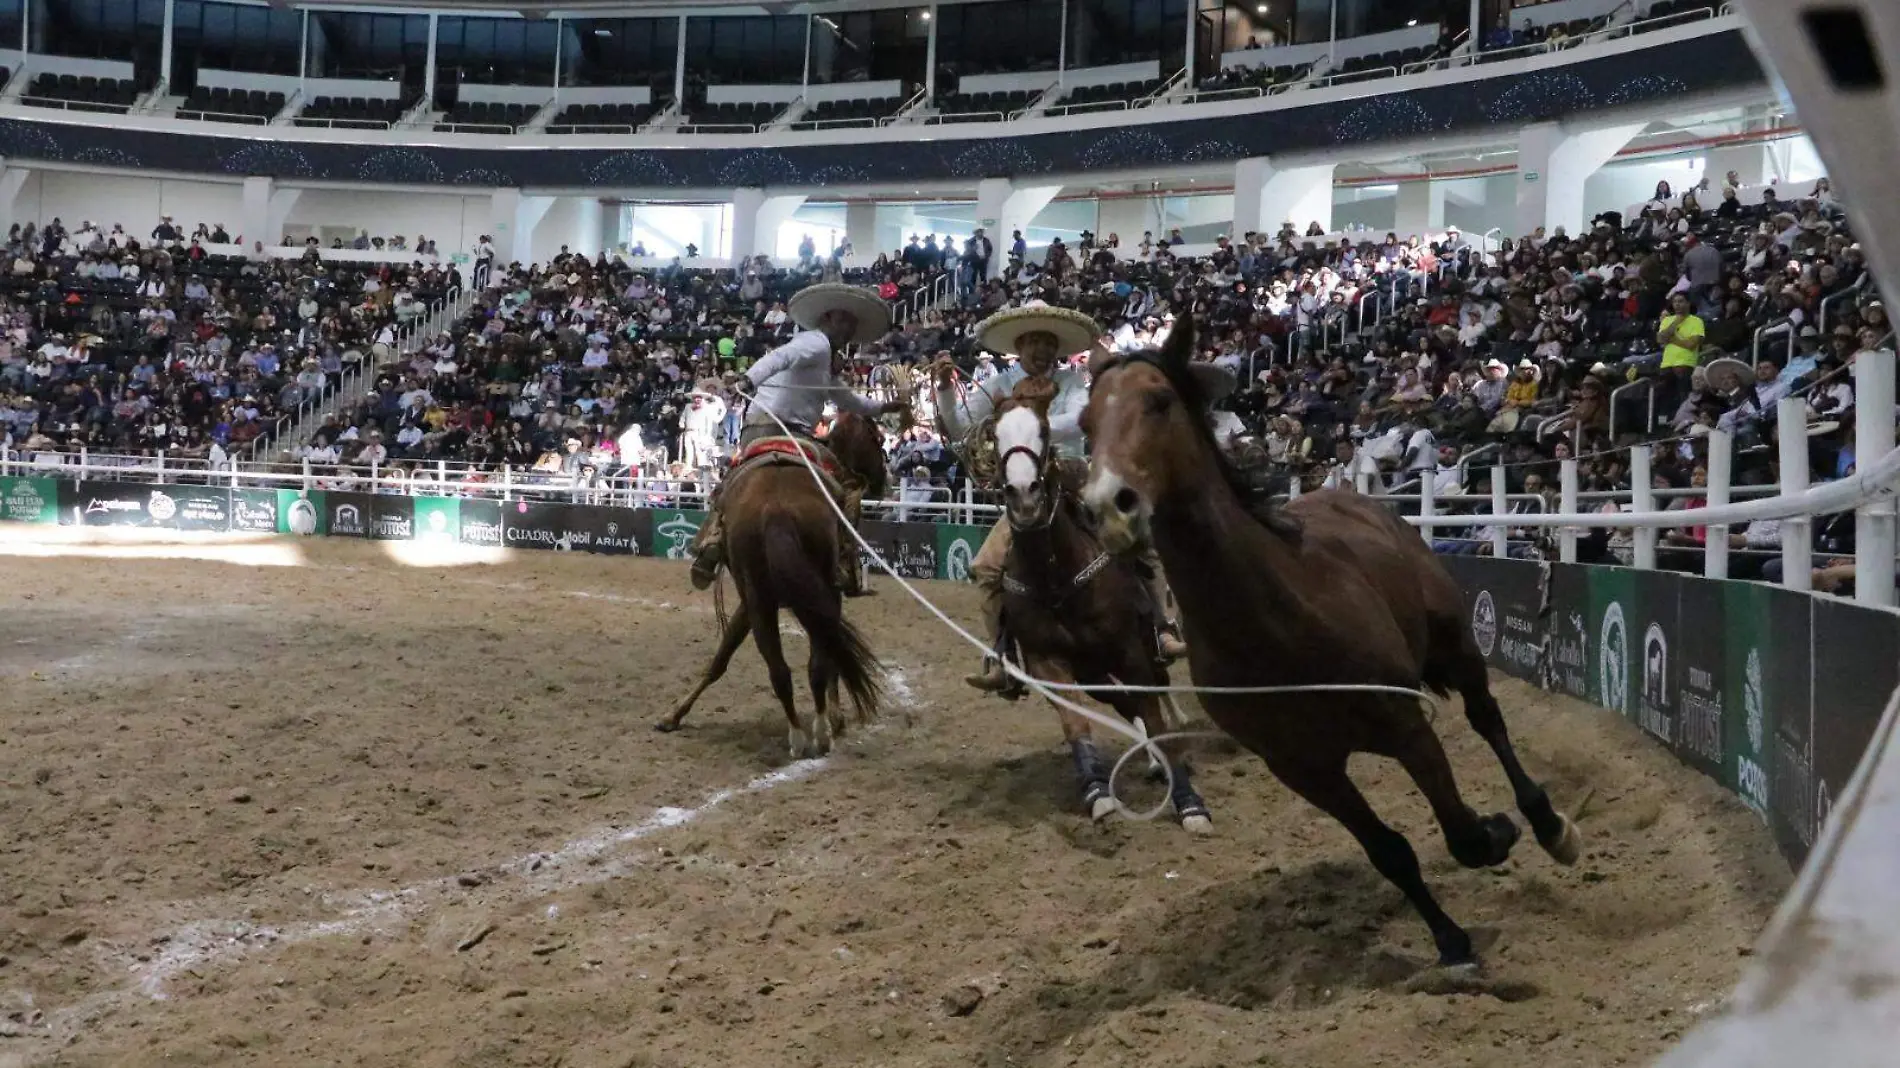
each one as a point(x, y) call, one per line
point(1002, 208)
point(512, 218)
point(1267, 197)
point(1553, 163)
point(165, 50)
point(1749, 162)
point(1421, 208)
point(860, 228)
point(756, 219)
point(254, 222)
point(11, 180)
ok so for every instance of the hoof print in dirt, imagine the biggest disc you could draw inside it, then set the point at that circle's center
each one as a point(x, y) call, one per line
point(1470, 979)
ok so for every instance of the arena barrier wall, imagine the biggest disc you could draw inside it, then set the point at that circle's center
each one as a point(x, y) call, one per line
point(1774, 693)
point(916, 550)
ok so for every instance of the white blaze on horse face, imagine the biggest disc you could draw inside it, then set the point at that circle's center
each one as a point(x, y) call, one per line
point(1019, 428)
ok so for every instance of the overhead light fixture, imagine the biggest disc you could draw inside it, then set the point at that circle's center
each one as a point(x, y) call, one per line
point(1261, 10)
point(925, 16)
point(1414, 22)
point(603, 33)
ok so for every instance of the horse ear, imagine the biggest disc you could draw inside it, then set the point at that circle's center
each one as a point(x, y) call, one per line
point(1178, 350)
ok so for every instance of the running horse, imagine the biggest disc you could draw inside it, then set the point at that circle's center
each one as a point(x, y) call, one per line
point(1332, 589)
point(1072, 609)
point(783, 550)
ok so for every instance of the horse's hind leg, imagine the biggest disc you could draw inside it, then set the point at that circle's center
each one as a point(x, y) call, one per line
point(1555, 832)
point(827, 722)
point(1333, 793)
point(736, 629)
point(1475, 842)
point(799, 741)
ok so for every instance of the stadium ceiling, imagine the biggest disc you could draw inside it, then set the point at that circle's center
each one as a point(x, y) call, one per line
point(592, 9)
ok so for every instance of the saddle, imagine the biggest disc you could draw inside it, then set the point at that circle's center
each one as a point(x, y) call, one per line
point(772, 451)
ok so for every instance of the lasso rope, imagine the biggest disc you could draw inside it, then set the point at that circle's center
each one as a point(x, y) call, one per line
point(1142, 742)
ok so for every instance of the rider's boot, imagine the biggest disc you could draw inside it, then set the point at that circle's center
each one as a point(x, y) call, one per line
point(850, 562)
point(993, 679)
point(1169, 645)
point(709, 551)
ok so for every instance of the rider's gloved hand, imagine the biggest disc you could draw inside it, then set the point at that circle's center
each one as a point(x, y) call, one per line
point(745, 387)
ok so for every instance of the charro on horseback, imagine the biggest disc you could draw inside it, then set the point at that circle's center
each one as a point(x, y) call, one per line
point(1038, 336)
point(794, 382)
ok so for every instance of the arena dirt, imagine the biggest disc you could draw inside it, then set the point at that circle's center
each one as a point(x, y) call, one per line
point(355, 813)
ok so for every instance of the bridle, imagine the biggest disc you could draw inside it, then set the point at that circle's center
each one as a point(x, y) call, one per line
point(1049, 501)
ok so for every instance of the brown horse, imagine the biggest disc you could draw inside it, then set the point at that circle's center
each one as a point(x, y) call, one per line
point(783, 548)
point(1069, 609)
point(1333, 590)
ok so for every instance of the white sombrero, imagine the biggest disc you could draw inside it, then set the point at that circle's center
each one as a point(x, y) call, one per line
point(1215, 381)
point(1003, 332)
point(810, 304)
point(1727, 374)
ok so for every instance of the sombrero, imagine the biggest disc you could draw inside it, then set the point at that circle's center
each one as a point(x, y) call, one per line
point(1727, 374)
point(1216, 382)
point(810, 304)
point(1002, 332)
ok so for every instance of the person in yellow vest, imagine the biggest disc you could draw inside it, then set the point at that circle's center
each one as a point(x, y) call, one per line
point(1680, 336)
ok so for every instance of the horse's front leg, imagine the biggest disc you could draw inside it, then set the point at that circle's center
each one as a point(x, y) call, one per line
point(1090, 773)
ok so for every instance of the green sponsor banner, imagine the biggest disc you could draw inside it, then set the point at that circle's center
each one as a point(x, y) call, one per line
point(1617, 638)
point(674, 530)
point(956, 548)
point(438, 519)
point(29, 500)
point(1748, 728)
point(301, 513)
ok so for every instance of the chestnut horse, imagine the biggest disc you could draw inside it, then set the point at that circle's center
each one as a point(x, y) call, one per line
point(1333, 589)
point(783, 547)
point(1068, 604)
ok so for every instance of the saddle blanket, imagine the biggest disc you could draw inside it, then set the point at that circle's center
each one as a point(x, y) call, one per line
point(788, 448)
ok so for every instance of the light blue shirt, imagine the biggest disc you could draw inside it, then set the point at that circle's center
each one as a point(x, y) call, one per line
point(795, 382)
point(962, 412)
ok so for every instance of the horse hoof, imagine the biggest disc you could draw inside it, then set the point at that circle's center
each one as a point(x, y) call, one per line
point(1443, 979)
point(1103, 807)
point(1568, 845)
point(1198, 826)
point(666, 726)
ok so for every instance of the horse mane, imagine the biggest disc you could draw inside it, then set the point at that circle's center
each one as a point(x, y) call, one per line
point(1255, 500)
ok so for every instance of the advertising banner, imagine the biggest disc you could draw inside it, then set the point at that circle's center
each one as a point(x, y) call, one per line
point(1754, 691)
point(1614, 637)
point(884, 536)
point(477, 522)
point(914, 550)
point(348, 515)
point(616, 531)
point(1787, 658)
point(1572, 665)
point(1704, 700)
point(674, 530)
point(254, 511)
point(535, 524)
point(957, 546)
point(29, 500)
point(303, 513)
point(1854, 654)
point(109, 504)
point(392, 518)
point(1656, 619)
point(196, 507)
point(1502, 600)
point(438, 519)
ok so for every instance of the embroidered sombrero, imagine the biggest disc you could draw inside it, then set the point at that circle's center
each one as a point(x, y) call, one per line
point(810, 304)
point(1002, 332)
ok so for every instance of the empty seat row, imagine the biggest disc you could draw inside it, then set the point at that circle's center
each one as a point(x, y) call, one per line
point(1106, 97)
point(601, 118)
point(354, 111)
point(222, 104)
point(750, 113)
point(488, 113)
point(976, 105)
point(82, 92)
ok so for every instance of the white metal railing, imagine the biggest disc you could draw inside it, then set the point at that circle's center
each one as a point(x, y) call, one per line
point(476, 127)
point(561, 128)
point(73, 105)
point(1162, 91)
point(860, 121)
point(341, 124)
point(716, 128)
point(1082, 108)
point(944, 118)
point(202, 115)
point(902, 114)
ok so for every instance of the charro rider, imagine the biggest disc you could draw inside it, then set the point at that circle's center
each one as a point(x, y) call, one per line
point(1037, 335)
point(795, 381)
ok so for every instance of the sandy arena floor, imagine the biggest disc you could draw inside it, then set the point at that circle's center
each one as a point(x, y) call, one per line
point(357, 813)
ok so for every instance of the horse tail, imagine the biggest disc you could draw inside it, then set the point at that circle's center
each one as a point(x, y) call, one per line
point(805, 589)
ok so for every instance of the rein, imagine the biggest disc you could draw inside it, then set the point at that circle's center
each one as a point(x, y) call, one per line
point(1052, 497)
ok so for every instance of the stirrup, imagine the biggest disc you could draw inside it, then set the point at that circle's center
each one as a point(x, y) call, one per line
point(993, 679)
point(1169, 646)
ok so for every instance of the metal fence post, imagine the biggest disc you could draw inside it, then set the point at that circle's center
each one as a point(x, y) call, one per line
point(1427, 499)
point(1797, 532)
point(1873, 439)
point(1500, 506)
point(1567, 504)
point(1642, 499)
point(308, 483)
point(1721, 472)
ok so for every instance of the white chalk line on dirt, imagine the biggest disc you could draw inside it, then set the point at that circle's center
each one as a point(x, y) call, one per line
point(202, 944)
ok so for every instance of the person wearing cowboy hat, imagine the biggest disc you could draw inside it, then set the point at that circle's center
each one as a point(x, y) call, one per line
point(794, 382)
point(1038, 336)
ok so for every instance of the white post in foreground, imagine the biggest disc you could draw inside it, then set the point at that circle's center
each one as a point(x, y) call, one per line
point(1873, 439)
point(1500, 505)
point(1427, 500)
point(1642, 499)
point(1721, 473)
point(1797, 533)
point(1566, 495)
